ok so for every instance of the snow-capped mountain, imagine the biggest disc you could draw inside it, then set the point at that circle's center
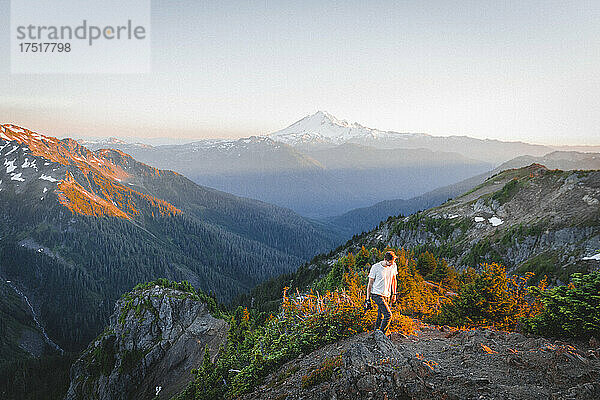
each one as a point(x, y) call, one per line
point(110, 142)
point(313, 165)
point(315, 182)
point(249, 143)
point(323, 128)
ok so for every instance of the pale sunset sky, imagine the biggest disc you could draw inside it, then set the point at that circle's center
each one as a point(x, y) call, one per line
point(514, 70)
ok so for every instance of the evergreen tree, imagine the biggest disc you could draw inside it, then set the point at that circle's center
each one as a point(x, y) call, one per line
point(426, 264)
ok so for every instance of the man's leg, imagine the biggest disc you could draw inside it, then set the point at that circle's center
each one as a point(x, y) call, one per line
point(387, 315)
point(380, 307)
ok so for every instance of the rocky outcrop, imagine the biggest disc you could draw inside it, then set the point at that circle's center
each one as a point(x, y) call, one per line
point(155, 337)
point(440, 363)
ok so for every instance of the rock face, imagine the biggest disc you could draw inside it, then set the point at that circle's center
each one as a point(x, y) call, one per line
point(440, 363)
point(156, 336)
point(528, 219)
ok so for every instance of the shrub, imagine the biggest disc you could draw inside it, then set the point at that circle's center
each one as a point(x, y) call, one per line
point(571, 310)
point(491, 298)
point(305, 323)
point(208, 380)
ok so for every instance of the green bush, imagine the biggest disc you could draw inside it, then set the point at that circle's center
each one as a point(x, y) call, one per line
point(507, 191)
point(488, 298)
point(213, 307)
point(483, 251)
point(572, 310)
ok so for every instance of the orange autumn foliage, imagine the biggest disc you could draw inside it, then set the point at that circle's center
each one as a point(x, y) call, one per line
point(73, 196)
point(344, 305)
point(95, 190)
point(109, 199)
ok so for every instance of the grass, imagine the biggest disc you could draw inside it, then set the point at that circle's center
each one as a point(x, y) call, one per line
point(323, 373)
point(508, 191)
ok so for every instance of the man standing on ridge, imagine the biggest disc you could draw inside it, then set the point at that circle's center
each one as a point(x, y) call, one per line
point(382, 285)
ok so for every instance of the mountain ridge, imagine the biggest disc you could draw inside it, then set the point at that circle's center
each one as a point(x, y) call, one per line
point(322, 128)
point(366, 218)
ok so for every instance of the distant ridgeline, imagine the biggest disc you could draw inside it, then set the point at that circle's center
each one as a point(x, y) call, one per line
point(78, 228)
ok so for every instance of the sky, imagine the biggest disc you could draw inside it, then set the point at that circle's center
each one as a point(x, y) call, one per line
point(523, 70)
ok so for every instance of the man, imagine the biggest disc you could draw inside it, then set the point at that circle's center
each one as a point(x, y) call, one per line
point(382, 285)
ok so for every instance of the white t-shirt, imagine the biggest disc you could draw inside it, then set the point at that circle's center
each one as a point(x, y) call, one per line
point(383, 278)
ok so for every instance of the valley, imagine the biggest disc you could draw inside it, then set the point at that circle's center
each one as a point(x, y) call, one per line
point(79, 228)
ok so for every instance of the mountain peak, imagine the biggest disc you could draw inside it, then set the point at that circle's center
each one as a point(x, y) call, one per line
point(320, 126)
point(325, 116)
point(93, 181)
point(12, 132)
point(321, 118)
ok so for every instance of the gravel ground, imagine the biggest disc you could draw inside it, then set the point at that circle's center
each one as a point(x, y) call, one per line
point(442, 363)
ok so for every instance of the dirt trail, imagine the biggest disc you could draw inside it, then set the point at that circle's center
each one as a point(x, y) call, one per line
point(488, 364)
point(442, 363)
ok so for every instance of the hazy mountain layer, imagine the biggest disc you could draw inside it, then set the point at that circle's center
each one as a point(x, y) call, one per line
point(316, 181)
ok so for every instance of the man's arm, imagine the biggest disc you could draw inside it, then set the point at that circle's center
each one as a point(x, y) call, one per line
point(394, 289)
point(369, 287)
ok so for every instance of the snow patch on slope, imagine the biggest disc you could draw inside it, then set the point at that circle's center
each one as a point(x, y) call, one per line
point(48, 178)
point(17, 177)
point(495, 221)
point(10, 165)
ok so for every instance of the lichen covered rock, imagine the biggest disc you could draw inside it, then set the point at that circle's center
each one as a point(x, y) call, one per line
point(155, 337)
